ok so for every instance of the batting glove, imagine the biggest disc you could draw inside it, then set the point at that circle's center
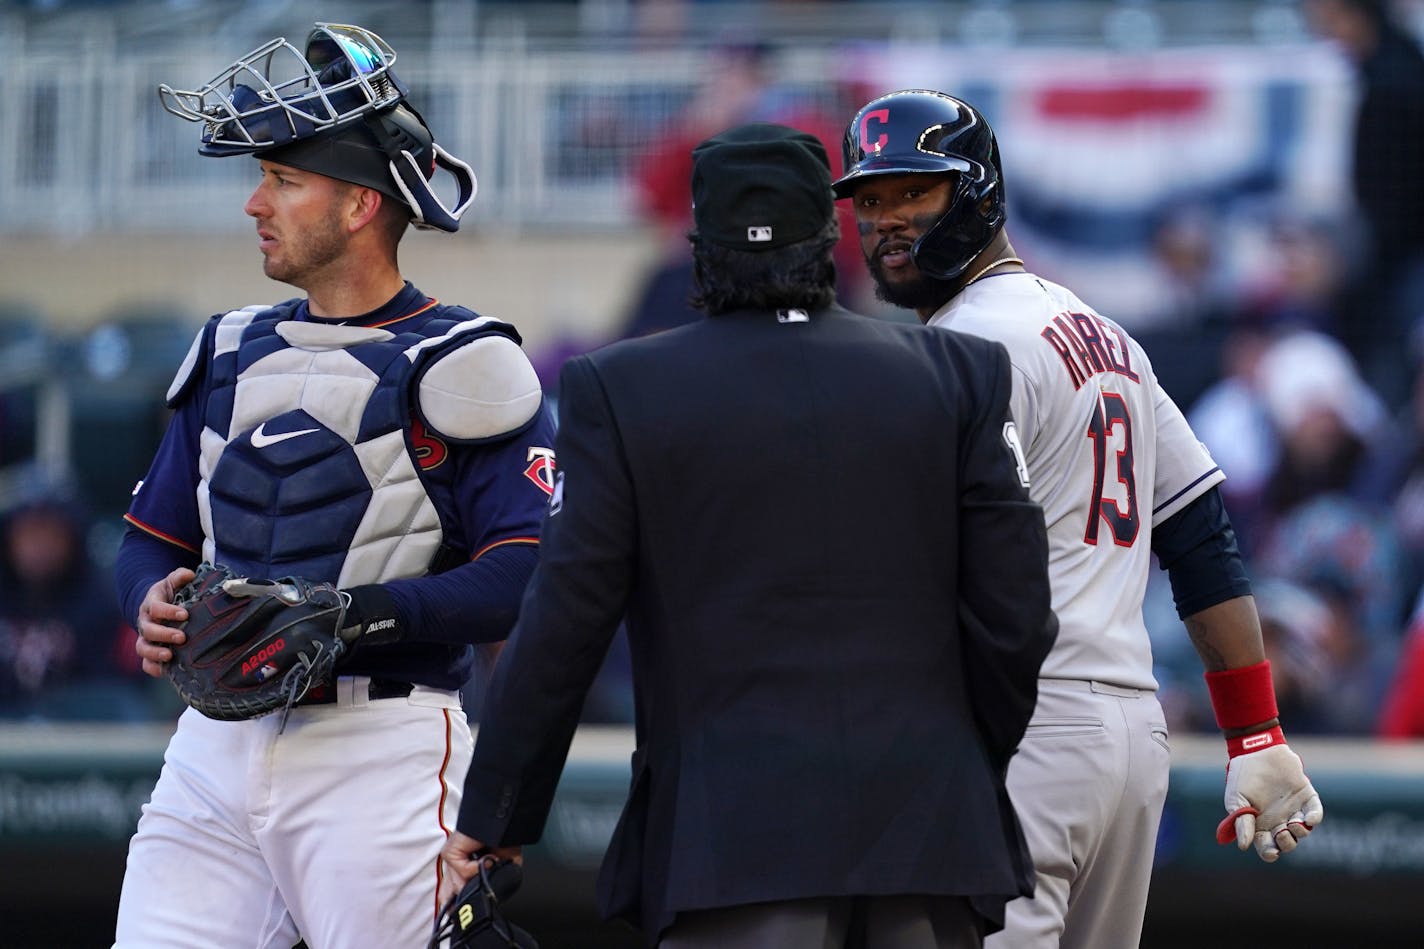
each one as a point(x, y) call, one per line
point(1269, 800)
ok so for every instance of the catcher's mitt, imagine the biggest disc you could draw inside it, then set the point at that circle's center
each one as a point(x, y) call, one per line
point(474, 920)
point(254, 646)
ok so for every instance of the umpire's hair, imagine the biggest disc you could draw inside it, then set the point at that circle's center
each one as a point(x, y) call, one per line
point(798, 276)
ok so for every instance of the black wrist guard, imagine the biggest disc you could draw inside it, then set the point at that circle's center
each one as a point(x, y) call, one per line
point(372, 615)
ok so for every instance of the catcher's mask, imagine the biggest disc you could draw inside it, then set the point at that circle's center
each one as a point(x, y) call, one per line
point(473, 919)
point(918, 131)
point(337, 110)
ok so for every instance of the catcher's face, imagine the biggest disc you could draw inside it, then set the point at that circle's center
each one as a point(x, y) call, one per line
point(891, 213)
point(300, 223)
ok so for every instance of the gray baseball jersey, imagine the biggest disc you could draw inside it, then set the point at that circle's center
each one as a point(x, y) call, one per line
point(1109, 452)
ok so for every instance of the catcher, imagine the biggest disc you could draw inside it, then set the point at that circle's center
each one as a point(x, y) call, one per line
point(347, 498)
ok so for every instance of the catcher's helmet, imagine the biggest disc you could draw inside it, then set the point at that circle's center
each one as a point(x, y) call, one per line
point(921, 131)
point(337, 110)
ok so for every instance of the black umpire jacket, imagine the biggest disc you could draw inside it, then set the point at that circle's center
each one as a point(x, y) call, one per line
point(837, 601)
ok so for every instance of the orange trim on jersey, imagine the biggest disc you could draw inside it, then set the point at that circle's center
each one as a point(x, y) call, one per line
point(440, 814)
point(405, 317)
point(169, 538)
point(533, 541)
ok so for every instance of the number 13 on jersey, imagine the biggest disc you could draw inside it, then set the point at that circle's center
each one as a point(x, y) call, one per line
point(1111, 425)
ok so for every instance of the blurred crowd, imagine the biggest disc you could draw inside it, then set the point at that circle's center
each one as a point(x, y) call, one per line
point(1303, 379)
point(65, 653)
point(1316, 413)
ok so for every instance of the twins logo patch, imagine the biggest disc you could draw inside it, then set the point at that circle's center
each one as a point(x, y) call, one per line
point(541, 468)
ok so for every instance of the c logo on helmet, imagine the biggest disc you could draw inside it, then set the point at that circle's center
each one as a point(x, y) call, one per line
point(882, 116)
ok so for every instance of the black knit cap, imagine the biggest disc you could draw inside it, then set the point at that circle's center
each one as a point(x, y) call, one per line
point(347, 154)
point(760, 186)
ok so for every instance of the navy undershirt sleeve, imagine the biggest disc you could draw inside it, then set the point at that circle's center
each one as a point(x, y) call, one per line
point(476, 602)
point(144, 560)
point(1197, 547)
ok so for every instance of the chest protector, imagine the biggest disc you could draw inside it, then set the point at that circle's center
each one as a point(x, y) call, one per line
point(305, 460)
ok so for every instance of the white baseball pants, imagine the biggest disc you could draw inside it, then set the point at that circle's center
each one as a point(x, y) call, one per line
point(329, 832)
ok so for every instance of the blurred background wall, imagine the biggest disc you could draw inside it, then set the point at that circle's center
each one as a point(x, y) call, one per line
point(1192, 168)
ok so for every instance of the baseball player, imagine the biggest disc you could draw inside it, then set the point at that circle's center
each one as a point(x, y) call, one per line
point(1120, 476)
point(364, 435)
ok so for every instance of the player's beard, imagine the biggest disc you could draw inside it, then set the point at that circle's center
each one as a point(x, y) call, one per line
point(305, 252)
point(917, 292)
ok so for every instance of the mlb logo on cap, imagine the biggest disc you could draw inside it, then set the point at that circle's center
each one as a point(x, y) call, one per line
point(759, 187)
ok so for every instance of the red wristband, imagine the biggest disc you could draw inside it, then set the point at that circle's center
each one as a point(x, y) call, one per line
point(1245, 744)
point(1242, 697)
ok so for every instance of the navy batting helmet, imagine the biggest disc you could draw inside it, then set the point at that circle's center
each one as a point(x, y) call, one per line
point(919, 131)
point(336, 109)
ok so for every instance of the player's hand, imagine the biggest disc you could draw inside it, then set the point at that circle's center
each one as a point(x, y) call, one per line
point(462, 856)
point(1269, 801)
point(157, 617)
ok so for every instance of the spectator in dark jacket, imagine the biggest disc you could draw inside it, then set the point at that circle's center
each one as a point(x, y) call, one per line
point(1382, 307)
point(62, 641)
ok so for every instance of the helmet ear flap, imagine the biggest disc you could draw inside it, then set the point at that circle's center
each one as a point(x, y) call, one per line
point(429, 212)
point(405, 139)
point(974, 215)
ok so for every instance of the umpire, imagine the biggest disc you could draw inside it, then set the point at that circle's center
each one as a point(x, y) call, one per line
point(821, 601)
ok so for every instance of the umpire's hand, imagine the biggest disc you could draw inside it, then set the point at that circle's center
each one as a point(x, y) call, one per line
point(158, 619)
point(462, 856)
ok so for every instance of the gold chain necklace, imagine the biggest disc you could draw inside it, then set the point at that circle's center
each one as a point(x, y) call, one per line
point(983, 271)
